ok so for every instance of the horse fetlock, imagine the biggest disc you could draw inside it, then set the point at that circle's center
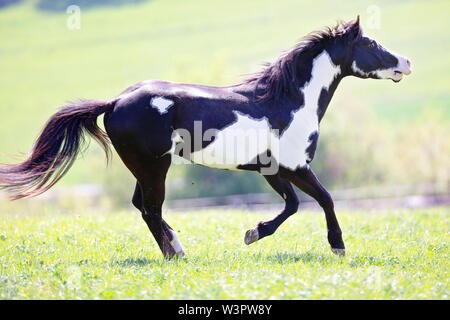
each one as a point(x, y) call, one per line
point(335, 240)
point(176, 245)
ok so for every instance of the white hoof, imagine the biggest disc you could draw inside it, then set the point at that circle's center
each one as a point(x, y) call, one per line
point(338, 252)
point(251, 236)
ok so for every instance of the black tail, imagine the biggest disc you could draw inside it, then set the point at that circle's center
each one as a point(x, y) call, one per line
point(56, 149)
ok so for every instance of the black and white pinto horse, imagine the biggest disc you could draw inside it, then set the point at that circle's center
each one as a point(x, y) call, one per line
point(152, 120)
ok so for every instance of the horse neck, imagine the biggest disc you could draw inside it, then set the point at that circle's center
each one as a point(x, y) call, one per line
point(318, 91)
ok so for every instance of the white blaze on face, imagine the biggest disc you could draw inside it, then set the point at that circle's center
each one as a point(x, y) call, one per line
point(161, 104)
point(295, 139)
point(176, 244)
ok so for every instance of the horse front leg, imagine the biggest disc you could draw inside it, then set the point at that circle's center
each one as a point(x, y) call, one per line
point(306, 180)
point(266, 228)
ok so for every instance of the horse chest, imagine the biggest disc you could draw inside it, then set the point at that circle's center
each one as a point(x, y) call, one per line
point(298, 142)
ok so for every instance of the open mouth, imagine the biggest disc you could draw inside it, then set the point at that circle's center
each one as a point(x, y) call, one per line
point(403, 68)
point(398, 75)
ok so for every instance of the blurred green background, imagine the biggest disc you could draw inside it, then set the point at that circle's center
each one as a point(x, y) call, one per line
point(374, 133)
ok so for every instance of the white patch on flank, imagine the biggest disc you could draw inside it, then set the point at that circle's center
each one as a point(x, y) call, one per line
point(176, 138)
point(176, 243)
point(238, 144)
point(161, 103)
point(295, 139)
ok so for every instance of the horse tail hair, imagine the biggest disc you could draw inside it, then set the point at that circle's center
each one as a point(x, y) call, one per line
point(56, 149)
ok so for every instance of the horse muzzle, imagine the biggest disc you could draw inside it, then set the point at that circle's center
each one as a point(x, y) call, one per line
point(403, 68)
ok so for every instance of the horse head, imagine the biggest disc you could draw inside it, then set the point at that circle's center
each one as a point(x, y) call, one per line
point(366, 58)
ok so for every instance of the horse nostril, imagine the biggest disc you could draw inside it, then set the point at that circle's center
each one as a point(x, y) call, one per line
point(408, 62)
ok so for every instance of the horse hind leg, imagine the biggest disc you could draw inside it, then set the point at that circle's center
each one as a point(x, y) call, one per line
point(141, 136)
point(150, 173)
point(152, 184)
point(173, 238)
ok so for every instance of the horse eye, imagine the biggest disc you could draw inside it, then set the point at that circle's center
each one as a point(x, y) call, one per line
point(372, 45)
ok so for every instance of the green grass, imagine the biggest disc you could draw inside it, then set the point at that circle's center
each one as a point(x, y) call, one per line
point(91, 254)
point(43, 64)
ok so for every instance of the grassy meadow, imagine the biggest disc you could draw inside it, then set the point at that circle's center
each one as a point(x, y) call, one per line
point(90, 254)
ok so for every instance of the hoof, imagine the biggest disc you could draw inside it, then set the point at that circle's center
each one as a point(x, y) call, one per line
point(174, 256)
point(251, 236)
point(179, 254)
point(338, 252)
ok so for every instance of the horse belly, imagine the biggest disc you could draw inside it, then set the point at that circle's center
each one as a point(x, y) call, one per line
point(238, 144)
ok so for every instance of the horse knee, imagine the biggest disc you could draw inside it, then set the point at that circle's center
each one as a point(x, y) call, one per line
point(292, 206)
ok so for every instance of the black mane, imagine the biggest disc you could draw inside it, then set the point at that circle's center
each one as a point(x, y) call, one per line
point(282, 76)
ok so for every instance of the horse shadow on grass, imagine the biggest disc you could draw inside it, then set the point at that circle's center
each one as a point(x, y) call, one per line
point(136, 262)
point(276, 258)
point(291, 257)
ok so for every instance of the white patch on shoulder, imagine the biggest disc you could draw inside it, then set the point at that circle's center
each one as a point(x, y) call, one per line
point(295, 139)
point(176, 244)
point(161, 103)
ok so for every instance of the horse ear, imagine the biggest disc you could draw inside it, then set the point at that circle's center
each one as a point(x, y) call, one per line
point(354, 28)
